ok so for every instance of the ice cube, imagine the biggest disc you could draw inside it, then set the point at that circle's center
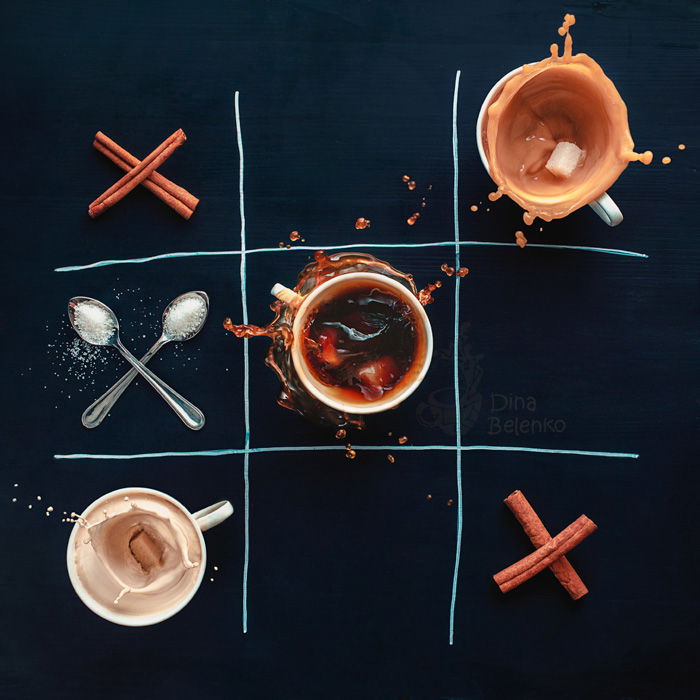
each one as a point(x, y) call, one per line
point(565, 158)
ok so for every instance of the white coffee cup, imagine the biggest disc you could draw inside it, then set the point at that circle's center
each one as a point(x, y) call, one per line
point(324, 393)
point(604, 206)
point(201, 521)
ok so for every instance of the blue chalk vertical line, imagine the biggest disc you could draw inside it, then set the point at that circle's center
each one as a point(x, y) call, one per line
point(458, 416)
point(246, 372)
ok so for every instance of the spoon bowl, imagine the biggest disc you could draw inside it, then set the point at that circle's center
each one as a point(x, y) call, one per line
point(93, 336)
point(167, 336)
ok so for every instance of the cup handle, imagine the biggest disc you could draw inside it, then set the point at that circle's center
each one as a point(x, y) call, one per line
point(606, 209)
point(213, 515)
point(286, 295)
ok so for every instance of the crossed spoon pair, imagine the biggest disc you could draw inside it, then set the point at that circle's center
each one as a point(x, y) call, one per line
point(188, 413)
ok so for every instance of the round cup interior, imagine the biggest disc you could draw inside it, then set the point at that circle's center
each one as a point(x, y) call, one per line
point(408, 383)
point(490, 97)
point(121, 618)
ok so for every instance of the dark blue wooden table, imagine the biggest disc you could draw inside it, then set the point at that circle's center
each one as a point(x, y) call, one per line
point(584, 362)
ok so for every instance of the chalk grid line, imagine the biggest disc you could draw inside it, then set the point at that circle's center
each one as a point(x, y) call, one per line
point(455, 357)
point(424, 244)
point(246, 369)
point(247, 450)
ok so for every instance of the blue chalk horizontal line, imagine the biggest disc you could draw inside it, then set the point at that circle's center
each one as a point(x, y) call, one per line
point(314, 448)
point(356, 246)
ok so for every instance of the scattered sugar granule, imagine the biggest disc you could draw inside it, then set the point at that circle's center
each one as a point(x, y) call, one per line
point(565, 158)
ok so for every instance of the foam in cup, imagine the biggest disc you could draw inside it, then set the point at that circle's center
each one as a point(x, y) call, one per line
point(137, 554)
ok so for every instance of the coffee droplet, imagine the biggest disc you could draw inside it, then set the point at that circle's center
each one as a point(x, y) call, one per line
point(294, 236)
point(449, 501)
point(403, 440)
point(362, 223)
point(349, 452)
point(411, 185)
point(405, 178)
point(429, 496)
point(391, 458)
point(340, 435)
point(473, 207)
point(462, 272)
point(681, 147)
point(665, 160)
point(413, 218)
point(447, 269)
point(520, 239)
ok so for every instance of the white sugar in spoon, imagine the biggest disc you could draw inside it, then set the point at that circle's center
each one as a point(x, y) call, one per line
point(96, 412)
point(97, 324)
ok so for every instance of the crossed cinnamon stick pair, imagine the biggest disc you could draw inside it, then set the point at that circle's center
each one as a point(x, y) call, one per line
point(143, 172)
point(550, 550)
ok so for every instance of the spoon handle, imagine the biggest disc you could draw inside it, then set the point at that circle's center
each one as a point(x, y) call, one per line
point(188, 413)
point(99, 409)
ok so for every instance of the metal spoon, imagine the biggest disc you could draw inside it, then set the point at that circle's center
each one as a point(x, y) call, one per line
point(188, 413)
point(96, 412)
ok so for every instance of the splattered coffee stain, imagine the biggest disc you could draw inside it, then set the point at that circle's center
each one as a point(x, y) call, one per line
point(362, 223)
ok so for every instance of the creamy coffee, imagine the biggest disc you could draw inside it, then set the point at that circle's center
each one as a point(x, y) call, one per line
point(560, 104)
point(137, 553)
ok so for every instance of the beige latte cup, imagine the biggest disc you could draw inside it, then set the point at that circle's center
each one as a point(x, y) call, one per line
point(602, 205)
point(334, 396)
point(90, 575)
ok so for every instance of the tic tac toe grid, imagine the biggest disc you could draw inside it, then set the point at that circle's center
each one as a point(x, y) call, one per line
point(247, 449)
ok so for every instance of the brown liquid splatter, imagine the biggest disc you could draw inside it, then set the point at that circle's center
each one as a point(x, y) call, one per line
point(520, 239)
point(391, 458)
point(473, 207)
point(449, 501)
point(403, 440)
point(462, 272)
point(413, 218)
point(340, 435)
point(294, 236)
point(293, 395)
point(411, 185)
point(429, 497)
point(447, 269)
point(280, 244)
point(665, 160)
point(349, 452)
point(362, 223)
point(405, 178)
point(681, 147)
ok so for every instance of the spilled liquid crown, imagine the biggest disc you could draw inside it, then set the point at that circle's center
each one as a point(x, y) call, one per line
point(560, 99)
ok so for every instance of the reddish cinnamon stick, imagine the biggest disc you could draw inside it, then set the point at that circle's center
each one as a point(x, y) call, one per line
point(178, 198)
point(137, 174)
point(538, 534)
point(541, 558)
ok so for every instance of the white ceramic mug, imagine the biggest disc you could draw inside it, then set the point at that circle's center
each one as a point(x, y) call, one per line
point(604, 206)
point(201, 521)
point(324, 393)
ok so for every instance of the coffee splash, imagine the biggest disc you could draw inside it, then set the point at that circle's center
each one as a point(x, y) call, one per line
point(559, 99)
point(140, 558)
point(293, 395)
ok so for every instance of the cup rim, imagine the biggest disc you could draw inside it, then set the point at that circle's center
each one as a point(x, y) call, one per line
point(377, 406)
point(121, 618)
point(482, 112)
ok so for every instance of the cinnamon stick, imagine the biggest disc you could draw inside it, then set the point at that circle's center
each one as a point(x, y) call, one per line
point(182, 201)
point(541, 558)
point(539, 535)
point(137, 174)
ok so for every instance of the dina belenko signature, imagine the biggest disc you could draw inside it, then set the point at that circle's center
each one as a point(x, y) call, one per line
point(506, 413)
